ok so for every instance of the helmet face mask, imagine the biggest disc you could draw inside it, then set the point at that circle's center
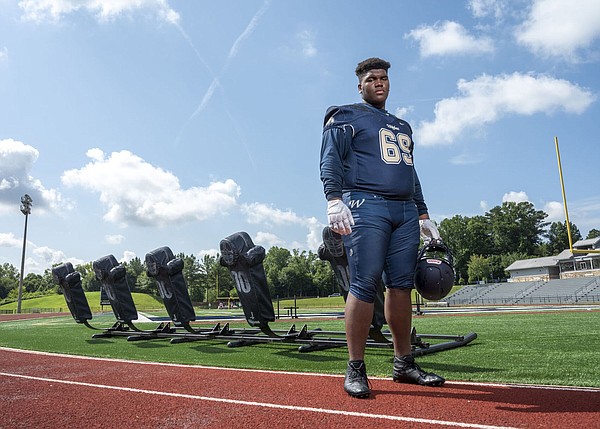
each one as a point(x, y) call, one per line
point(434, 272)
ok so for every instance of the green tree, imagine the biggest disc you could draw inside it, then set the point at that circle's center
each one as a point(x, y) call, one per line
point(214, 277)
point(594, 233)
point(276, 259)
point(195, 277)
point(479, 268)
point(516, 227)
point(297, 275)
point(9, 279)
point(324, 278)
point(465, 237)
point(558, 237)
point(508, 258)
point(33, 283)
point(89, 282)
point(134, 269)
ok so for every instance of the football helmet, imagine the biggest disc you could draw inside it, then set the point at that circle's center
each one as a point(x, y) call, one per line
point(434, 272)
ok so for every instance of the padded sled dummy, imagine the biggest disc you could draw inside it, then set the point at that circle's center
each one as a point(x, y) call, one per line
point(69, 281)
point(332, 250)
point(244, 260)
point(162, 265)
point(112, 275)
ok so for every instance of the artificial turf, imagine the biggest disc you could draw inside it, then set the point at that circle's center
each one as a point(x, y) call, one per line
point(546, 347)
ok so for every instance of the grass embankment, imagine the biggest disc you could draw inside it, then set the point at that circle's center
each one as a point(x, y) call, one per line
point(57, 303)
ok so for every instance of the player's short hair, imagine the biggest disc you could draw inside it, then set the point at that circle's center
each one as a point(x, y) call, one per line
point(371, 64)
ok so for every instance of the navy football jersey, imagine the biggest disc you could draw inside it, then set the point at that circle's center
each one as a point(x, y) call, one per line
point(368, 149)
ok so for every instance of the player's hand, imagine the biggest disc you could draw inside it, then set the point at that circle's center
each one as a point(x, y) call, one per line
point(339, 217)
point(428, 230)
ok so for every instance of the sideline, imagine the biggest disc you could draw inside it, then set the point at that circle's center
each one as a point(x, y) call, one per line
point(311, 374)
point(261, 404)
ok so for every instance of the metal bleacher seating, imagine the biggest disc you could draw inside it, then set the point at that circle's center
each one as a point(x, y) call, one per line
point(558, 291)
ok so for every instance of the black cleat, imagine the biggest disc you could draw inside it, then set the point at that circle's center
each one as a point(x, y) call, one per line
point(407, 371)
point(356, 383)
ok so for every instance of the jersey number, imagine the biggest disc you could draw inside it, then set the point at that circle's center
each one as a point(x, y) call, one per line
point(395, 148)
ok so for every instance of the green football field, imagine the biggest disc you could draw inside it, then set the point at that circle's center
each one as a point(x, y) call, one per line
point(538, 347)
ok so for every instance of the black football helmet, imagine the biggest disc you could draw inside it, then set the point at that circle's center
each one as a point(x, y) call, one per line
point(434, 273)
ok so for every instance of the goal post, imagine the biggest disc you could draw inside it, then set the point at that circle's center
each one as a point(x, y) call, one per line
point(564, 197)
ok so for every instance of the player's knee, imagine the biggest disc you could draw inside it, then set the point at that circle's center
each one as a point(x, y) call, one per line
point(363, 293)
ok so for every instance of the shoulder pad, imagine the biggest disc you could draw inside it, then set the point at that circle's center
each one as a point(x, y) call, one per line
point(406, 123)
point(329, 114)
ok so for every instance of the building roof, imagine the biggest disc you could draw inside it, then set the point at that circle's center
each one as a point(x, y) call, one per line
point(565, 254)
point(552, 261)
point(524, 264)
point(590, 243)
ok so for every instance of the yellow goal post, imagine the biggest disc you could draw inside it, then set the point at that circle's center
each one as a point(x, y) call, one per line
point(564, 196)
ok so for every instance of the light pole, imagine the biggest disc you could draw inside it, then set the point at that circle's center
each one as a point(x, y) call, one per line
point(26, 210)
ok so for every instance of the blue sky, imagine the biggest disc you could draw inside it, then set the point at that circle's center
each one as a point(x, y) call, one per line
point(136, 124)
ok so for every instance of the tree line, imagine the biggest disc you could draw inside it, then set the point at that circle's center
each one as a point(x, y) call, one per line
point(295, 273)
point(482, 247)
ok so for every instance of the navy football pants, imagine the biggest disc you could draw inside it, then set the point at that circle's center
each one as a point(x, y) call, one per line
point(384, 241)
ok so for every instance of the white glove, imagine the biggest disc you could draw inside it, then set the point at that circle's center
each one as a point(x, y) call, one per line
point(339, 217)
point(428, 230)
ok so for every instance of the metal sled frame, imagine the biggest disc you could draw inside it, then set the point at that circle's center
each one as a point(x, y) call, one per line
point(179, 329)
point(308, 340)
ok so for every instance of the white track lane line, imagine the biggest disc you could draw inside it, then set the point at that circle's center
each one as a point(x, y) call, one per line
point(311, 374)
point(261, 404)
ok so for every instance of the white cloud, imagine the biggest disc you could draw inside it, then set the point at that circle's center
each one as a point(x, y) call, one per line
point(267, 239)
point(16, 162)
point(210, 252)
point(262, 213)
point(114, 239)
point(466, 159)
point(3, 54)
point(515, 197)
point(307, 42)
point(558, 28)
point(486, 99)
point(403, 112)
point(555, 211)
point(448, 38)
point(41, 258)
point(585, 213)
point(134, 191)
point(128, 255)
point(483, 8)
point(314, 236)
point(38, 258)
point(259, 213)
point(103, 10)
point(9, 240)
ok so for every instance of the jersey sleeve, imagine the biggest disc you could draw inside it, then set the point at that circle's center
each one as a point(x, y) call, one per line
point(418, 196)
point(335, 144)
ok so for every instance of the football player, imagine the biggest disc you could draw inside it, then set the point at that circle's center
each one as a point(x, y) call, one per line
point(374, 200)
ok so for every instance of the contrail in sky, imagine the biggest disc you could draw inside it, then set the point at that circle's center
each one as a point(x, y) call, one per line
point(233, 51)
point(187, 38)
point(248, 31)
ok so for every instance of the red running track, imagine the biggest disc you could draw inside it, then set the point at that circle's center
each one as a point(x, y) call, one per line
point(43, 390)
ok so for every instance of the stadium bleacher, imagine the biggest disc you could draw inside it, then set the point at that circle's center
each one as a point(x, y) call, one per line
point(558, 291)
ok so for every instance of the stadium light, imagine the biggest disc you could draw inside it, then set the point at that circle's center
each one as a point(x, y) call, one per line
point(26, 210)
